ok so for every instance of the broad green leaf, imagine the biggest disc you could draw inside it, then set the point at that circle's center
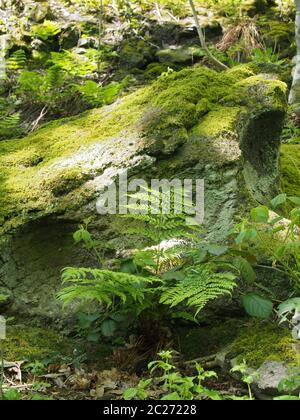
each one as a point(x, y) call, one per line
point(94, 337)
point(260, 214)
point(295, 215)
point(108, 328)
point(171, 397)
point(279, 200)
point(295, 200)
point(86, 320)
point(257, 306)
point(246, 236)
point(245, 268)
point(217, 250)
point(130, 393)
point(289, 306)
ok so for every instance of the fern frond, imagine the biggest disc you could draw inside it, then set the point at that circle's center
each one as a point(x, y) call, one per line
point(46, 30)
point(102, 286)
point(9, 124)
point(200, 286)
point(17, 61)
point(54, 76)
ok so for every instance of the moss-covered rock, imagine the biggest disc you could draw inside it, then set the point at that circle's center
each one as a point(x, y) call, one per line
point(28, 343)
point(157, 119)
point(270, 354)
point(265, 342)
point(290, 169)
point(195, 123)
point(183, 55)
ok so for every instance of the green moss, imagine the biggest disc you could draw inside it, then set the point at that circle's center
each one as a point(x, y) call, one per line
point(251, 90)
point(34, 174)
point(241, 72)
point(28, 180)
point(275, 89)
point(65, 180)
point(290, 169)
point(264, 342)
point(203, 107)
point(219, 121)
point(28, 343)
point(154, 70)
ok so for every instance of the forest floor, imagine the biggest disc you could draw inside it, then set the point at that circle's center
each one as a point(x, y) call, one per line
point(80, 371)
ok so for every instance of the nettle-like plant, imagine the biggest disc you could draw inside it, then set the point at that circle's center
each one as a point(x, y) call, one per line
point(166, 278)
point(277, 239)
point(172, 384)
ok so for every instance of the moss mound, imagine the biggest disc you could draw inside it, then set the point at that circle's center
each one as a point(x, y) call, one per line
point(290, 169)
point(28, 343)
point(264, 342)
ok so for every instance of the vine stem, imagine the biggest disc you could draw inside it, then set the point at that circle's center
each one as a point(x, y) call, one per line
point(202, 39)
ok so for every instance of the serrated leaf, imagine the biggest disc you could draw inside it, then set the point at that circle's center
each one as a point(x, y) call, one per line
point(257, 306)
point(184, 315)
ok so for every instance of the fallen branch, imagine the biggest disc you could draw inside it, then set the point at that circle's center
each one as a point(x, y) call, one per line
point(39, 118)
point(202, 360)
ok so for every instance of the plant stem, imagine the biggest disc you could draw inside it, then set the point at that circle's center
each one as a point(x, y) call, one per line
point(202, 39)
point(100, 31)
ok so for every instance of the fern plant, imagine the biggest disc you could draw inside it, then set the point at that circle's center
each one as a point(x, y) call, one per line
point(47, 29)
point(160, 277)
point(103, 286)
point(9, 124)
point(98, 95)
point(17, 61)
point(200, 285)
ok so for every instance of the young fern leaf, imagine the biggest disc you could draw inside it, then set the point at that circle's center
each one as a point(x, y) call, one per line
point(200, 286)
